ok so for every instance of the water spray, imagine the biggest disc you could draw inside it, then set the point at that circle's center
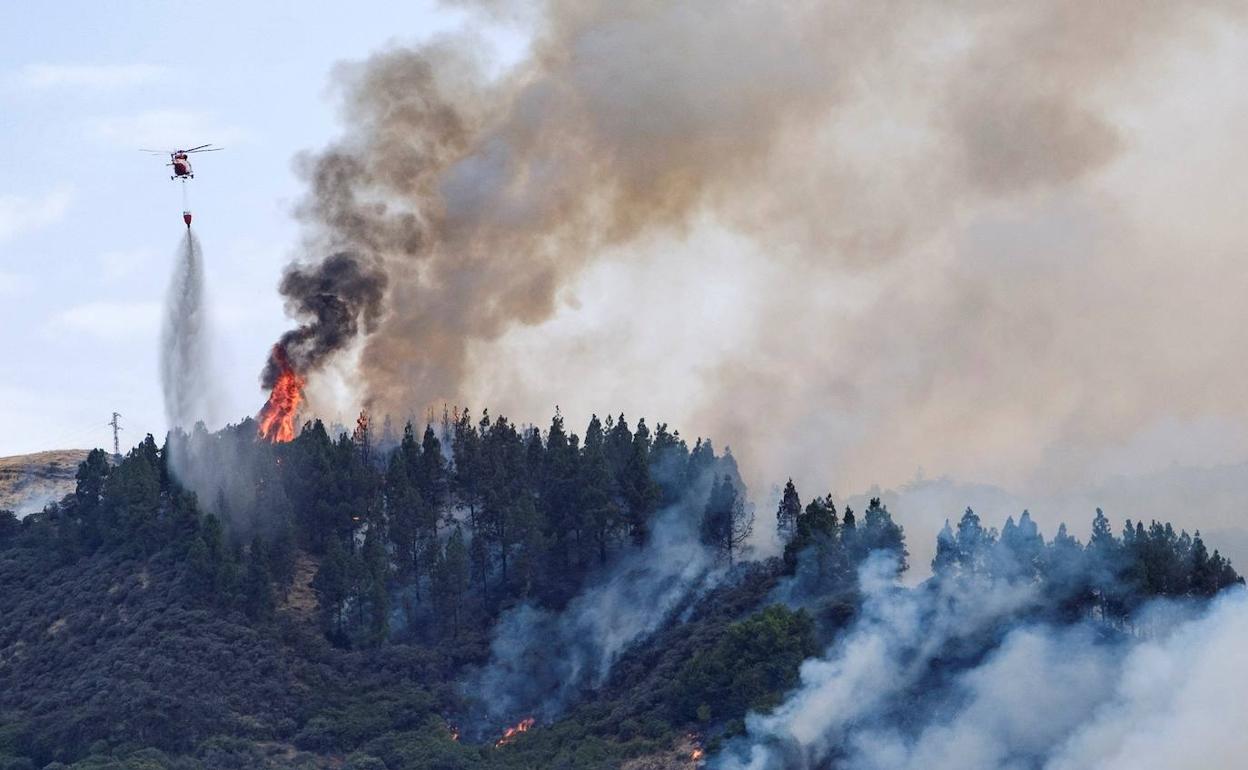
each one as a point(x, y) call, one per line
point(185, 367)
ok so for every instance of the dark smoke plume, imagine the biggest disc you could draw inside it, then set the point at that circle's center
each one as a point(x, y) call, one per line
point(334, 299)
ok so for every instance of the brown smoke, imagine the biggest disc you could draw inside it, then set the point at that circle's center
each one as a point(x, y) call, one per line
point(943, 203)
point(481, 198)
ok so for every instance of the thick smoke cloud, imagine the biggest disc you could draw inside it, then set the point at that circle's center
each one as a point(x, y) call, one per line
point(1176, 703)
point(896, 691)
point(982, 239)
point(482, 198)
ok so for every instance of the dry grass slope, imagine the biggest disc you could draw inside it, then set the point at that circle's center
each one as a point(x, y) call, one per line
point(28, 482)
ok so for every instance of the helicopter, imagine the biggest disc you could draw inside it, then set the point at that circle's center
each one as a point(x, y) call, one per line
point(180, 162)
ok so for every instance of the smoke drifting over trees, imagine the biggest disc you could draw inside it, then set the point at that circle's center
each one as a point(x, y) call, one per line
point(948, 254)
point(896, 691)
point(1017, 653)
point(543, 661)
point(404, 601)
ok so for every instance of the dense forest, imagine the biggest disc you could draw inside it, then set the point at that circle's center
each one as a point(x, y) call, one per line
point(478, 594)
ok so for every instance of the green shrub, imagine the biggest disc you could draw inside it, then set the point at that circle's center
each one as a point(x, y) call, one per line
point(749, 668)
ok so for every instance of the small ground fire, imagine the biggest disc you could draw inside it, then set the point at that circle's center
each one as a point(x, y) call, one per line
point(697, 753)
point(277, 417)
point(510, 733)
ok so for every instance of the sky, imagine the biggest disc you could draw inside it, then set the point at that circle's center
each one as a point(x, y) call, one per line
point(89, 226)
point(991, 254)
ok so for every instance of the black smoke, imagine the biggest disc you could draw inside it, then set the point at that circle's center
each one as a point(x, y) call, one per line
point(334, 300)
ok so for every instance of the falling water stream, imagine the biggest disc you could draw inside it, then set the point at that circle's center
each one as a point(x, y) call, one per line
point(185, 370)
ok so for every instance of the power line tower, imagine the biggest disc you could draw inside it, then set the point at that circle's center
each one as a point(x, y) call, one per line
point(116, 441)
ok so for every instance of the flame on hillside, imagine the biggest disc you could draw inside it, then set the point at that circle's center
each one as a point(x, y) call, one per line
point(277, 416)
point(510, 733)
point(697, 754)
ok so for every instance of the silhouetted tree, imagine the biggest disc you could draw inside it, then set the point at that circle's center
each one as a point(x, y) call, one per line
point(726, 522)
point(787, 512)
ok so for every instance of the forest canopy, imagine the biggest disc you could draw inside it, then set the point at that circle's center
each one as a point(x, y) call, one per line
point(396, 598)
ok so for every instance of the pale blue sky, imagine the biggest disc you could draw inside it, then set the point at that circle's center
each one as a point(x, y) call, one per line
point(88, 225)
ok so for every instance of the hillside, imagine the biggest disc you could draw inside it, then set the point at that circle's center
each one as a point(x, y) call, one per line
point(496, 599)
point(28, 482)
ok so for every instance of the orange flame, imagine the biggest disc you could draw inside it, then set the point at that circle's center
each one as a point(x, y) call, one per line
point(510, 733)
point(696, 754)
point(277, 417)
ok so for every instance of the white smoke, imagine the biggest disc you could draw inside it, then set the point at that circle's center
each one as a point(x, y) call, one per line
point(1165, 695)
point(1177, 704)
point(540, 661)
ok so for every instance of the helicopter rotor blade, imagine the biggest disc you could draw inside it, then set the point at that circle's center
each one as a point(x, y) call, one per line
point(214, 149)
point(202, 146)
point(155, 152)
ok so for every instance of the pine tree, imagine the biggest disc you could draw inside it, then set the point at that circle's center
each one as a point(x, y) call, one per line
point(618, 446)
point(312, 484)
point(451, 583)
point(640, 492)
point(1066, 576)
point(402, 508)
point(503, 493)
point(257, 583)
point(701, 462)
point(201, 570)
point(558, 495)
point(596, 505)
point(1201, 581)
point(946, 559)
point(726, 523)
point(1102, 536)
point(88, 493)
point(374, 598)
point(182, 520)
point(669, 457)
point(10, 525)
point(362, 438)
point(466, 451)
point(528, 573)
point(789, 509)
point(974, 543)
point(479, 566)
point(1223, 573)
point(131, 499)
point(432, 479)
point(1105, 564)
point(332, 584)
point(880, 533)
point(282, 555)
point(1019, 549)
point(816, 531)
